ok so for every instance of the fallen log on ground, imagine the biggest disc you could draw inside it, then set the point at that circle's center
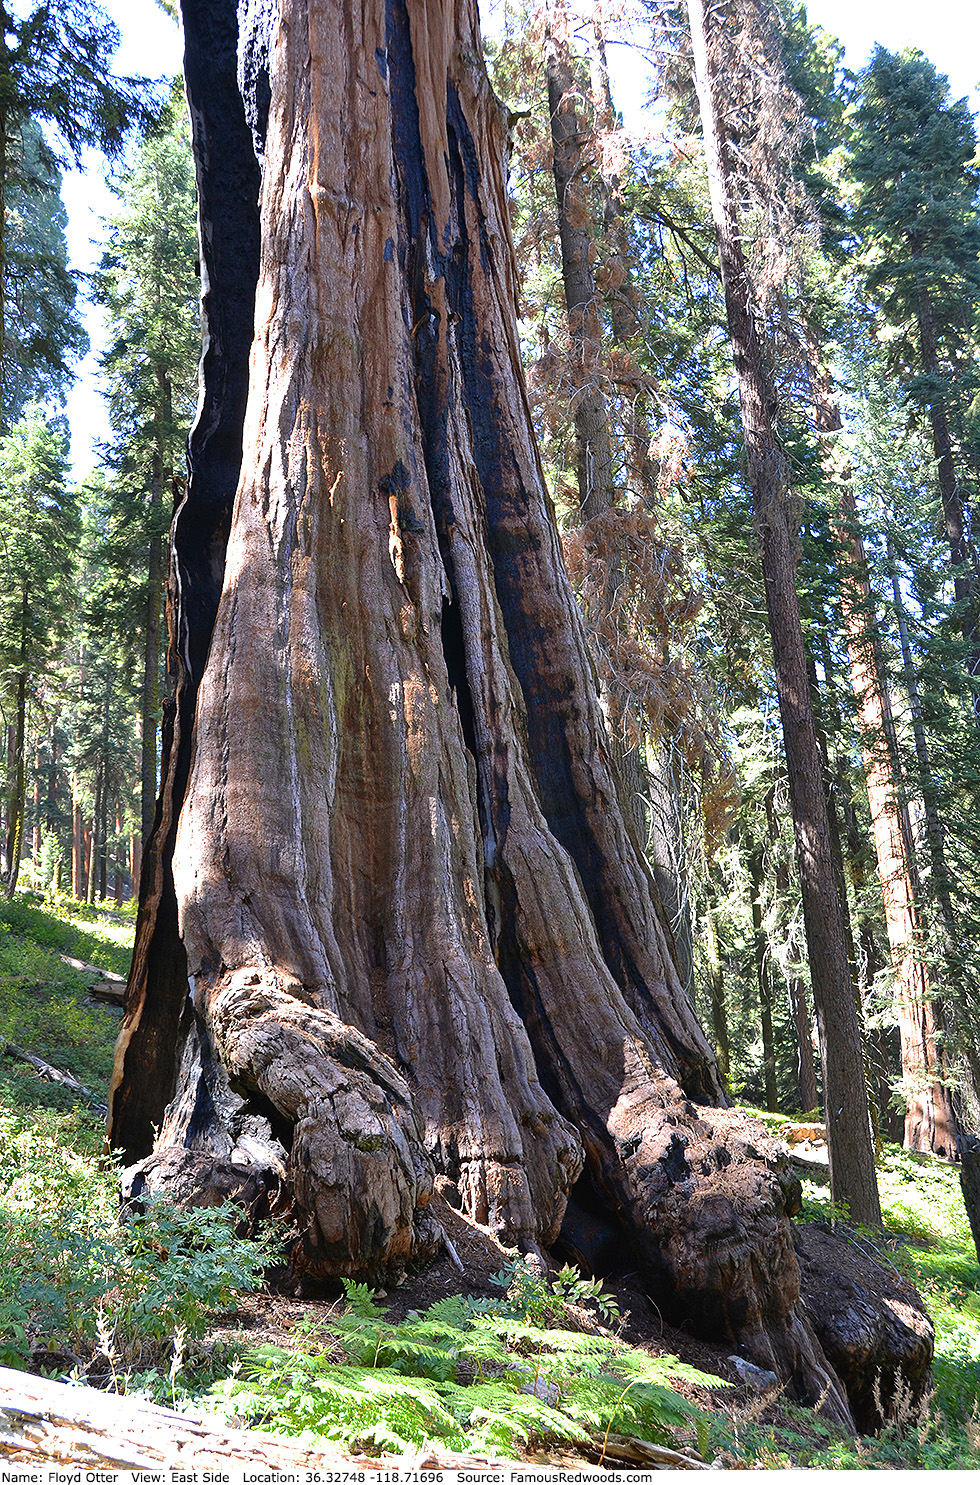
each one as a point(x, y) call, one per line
point(619, 1449)
point(52, 1074)
point(107, 986)
point(46, 1422)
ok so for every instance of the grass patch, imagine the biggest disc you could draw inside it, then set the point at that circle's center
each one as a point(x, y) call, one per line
point(44, 1003)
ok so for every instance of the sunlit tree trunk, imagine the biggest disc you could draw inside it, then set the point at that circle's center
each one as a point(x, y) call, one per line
point(929, 1120)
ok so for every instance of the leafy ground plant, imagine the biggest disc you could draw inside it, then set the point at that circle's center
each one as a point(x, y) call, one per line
point(485, 1376)
point(75, 1280)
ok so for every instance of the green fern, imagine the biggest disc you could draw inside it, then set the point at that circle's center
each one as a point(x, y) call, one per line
point(475, 1376)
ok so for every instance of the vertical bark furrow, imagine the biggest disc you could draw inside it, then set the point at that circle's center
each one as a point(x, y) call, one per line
point(228, 185)
point(546, 648)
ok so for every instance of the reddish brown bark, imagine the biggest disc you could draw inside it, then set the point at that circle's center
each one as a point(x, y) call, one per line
point(77, 847)
point(929, 1120)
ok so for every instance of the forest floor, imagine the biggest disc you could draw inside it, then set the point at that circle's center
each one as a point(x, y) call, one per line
point(205, 1329)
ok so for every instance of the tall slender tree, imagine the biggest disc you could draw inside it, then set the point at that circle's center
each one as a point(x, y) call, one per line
point(38, 531)
point(914, 157)
point(147, 283)
point(849, 1132)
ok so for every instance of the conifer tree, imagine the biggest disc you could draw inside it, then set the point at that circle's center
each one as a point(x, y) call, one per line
point(732, 44)
point(44, 333)
point(38, 530)
point(148, 285)
point(914, 160)
point(55, 60)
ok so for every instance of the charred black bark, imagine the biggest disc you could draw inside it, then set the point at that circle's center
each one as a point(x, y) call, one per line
point(228, 189)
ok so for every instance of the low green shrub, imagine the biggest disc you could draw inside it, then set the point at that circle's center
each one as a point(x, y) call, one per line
point(73, 1277)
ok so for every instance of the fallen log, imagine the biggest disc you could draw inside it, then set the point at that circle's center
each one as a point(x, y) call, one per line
point(621, 1448)
point(53, 1074)
point(46, 1422)
point(113, 991)
point(107, 986)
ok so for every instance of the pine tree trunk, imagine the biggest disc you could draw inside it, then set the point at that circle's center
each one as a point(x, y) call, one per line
point(77, 846)
point(964, 1106)
point(18, 780)
point(716, 978)
point(763, 980)
point(832, 790)
point(806, 1072)
point(961, 557)
point(36, 820)
point(929, 1121)
point(596, 483)
point(418, 938)
point(666, 849)
point(87, 844)
point(95, 840)
point(852, 1168)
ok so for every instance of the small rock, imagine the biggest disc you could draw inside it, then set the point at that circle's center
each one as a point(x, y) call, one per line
point(536, 1386)
point(756, 1378)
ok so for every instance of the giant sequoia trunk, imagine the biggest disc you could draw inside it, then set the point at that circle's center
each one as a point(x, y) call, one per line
point(393, 927)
